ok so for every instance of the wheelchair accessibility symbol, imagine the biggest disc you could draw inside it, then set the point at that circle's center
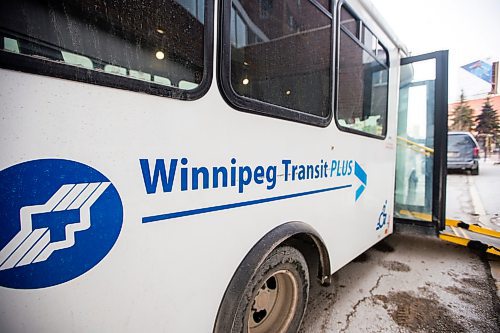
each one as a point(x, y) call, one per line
point(382, 219)
point(59, 219)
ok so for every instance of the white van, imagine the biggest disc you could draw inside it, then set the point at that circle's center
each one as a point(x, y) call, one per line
point(190, 165)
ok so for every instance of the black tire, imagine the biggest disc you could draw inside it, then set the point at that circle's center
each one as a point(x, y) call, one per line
point(263, 309)
point(475, 171)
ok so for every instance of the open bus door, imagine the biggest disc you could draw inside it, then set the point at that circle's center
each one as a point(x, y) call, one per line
point(420, 194)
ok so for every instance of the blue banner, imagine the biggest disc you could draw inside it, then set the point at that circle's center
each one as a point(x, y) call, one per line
point(481, 69)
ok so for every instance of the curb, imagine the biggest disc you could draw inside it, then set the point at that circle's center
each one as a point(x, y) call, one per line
point(478, 208)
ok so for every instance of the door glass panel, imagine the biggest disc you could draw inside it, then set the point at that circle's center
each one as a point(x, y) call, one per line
point(415, 149)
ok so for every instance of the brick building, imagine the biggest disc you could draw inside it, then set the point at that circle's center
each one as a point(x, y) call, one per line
point(476, 105)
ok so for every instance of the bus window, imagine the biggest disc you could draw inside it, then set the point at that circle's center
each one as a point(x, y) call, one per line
point(349, 22)
point(280, 58)
point(160, 42)
point(362, 78)
point(187, 85)
point(115, 70)
point(140, 75)
point(77, 60)
point(165, 81)
point(10, 45)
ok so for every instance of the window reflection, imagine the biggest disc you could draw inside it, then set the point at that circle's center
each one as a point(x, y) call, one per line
point(281, 54)
point(157, 41)
point(362, 79)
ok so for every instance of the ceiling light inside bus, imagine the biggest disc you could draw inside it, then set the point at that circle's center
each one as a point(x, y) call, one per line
point(160, 55)
point(245, 81)
point(160, 31)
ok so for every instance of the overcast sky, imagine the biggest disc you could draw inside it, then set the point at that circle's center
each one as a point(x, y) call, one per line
point(469, 29)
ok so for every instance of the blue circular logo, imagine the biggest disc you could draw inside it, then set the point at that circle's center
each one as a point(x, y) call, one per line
point(58, 219)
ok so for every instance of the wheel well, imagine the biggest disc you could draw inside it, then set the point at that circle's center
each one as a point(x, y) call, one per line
point(314, 251)
point(296, 234)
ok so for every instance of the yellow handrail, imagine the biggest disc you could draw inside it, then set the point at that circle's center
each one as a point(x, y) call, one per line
point(423, 149)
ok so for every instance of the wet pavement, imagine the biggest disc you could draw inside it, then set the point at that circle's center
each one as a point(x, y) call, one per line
point(408, 283)
point(413, 282)
point(475, 200)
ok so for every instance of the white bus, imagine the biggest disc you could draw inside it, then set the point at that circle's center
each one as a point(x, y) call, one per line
point(192, 165)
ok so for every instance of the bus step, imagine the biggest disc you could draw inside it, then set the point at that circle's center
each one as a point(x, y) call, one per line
point(473, 236)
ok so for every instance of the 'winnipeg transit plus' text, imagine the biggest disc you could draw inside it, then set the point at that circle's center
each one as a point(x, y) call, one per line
point(193, 178)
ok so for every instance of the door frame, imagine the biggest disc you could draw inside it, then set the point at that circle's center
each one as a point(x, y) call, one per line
point(440, 140)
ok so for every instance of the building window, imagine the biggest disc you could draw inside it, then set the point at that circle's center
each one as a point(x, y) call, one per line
point(161, 43)
point(265, 8)
point(280, 65)
point(362, 78)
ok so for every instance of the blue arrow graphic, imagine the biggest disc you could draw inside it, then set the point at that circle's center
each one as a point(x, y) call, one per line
point(361, 174)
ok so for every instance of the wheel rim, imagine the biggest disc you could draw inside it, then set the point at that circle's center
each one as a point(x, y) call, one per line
point(275, 304)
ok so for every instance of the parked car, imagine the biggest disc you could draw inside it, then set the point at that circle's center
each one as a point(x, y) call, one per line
point(463, 152)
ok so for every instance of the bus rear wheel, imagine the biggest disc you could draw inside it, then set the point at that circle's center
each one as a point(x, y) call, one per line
point(275, 298)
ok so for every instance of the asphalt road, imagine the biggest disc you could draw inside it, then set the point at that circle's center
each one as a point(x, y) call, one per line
point(416, 283)
point(487, 187)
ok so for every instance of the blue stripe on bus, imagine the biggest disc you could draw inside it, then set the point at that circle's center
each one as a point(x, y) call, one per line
point(155, 218)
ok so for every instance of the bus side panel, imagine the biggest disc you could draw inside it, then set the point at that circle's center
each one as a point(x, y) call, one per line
point(182, 236)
